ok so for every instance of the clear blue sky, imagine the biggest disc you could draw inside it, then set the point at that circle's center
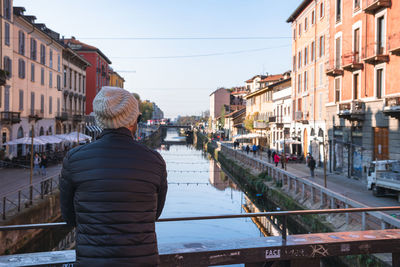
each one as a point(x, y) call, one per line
point(179, 85)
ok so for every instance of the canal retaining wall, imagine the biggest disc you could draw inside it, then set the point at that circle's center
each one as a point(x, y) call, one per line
point(45, 210)
point(271, 188)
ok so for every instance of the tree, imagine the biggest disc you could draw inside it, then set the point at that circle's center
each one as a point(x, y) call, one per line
point(146, 108)
point(222, 117)
point(249, 122)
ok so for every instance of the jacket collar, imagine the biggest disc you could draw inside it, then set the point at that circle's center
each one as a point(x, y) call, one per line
point(121, 131)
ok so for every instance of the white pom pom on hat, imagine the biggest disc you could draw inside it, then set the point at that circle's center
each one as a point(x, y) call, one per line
point(115, 107)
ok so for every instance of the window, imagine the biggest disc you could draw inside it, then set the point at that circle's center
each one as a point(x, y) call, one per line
point(83, 84)
point(379, 83)
point(312, 81)
point(321, 46)
point(338, 54)
point(294, 63)
point(338, 11)
point(80, 83)
point(312, 51)
point(65, 77)
point(75, 81)
point(58, 82)
point(21, 100)
point(321, 74)
point(299, 60)
point(355, 85)
point(312, 17)
point(21, 68)
point(58, 105)
point(305, 24)
point(41, 103)
point(357, 5)
point(356, 56)
point(32, 72)
point(58, 62)
point(21, 43)
point(42, 54)
point(380, 38)
point(42, 76)
point(51, 59)
point(299, 29)
point(8, 66)
point(299, 83)
point(7, 34)
point(337, 90)
point(50, 79)
point(7, 9)
point(50, 104)
point(70, 79)
point(294, 34)
point(320, 106)
point(321, 10)
point(32, 103)
point(306, 55)
point(33, 49)
point(305, 81)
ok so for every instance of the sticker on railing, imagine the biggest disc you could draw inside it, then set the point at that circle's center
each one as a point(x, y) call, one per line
point(272, 253)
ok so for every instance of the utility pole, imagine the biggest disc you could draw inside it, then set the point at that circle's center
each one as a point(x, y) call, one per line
point(31, 173)
point(324, 146)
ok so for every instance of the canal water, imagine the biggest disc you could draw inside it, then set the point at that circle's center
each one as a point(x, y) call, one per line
point(196, 187)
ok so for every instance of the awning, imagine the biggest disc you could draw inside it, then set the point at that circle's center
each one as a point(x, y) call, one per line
point(288, 142)
point(26, 141)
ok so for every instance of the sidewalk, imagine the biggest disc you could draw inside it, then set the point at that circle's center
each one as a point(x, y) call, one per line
point(13, 179)
point(351, 188)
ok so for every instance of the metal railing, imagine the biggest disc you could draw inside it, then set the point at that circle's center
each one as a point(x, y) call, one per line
point(272, 214)
point(25, 196)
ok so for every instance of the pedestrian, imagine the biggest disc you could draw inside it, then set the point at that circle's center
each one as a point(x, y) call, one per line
point(258, 149)
point(43, 165)
point(283, 161)
point(254, 150)
point(247, 149)
point(276, 159)
point(311, 165)
point(269, 154)
point(113, 189)
point(36, 164)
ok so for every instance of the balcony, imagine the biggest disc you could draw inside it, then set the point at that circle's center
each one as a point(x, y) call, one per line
point(10, 117)
point(62, 116)
point(373, 6)
point(36, 115)
point(77, 117)
point(279, 122)
point(334, 68)
point(392, 107)
point(260, 124)
point(352, 111)
point(376, 54)
point(351, 62)
point(272, 119)
point(301, 116)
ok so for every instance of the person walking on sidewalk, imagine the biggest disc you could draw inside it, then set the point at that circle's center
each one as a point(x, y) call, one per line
point(311, 165)
point(36, 164)
point(113, 189)
point(247, 149)
point(283, 161)
point(254, 150)
point(269, 154)
point(43, 165)
point(276, 159)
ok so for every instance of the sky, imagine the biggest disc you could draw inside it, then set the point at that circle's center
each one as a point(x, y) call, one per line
point(177, 52)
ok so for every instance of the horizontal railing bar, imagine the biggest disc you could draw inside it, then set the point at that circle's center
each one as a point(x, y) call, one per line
point(213, 217)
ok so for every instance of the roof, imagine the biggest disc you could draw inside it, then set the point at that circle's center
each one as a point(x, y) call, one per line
point(256, 76)
point(269, 87)
point(81, 47)
point(298, 10)
point(271, 78)
point(219, 89)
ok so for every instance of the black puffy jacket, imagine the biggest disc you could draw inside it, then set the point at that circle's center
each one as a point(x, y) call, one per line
point(113, 190)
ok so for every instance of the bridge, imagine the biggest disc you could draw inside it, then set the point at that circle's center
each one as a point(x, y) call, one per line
point(287, 250)
point(176, 126)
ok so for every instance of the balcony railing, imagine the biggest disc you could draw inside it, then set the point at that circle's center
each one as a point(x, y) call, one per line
point(272, 119)
point(10, 117)
point(62, 116)
point(334, 67)
point(373, 6)
point(392, 107)
point(77, 117)
point(351, 62)
point(353, 111)
point(36, 114)
point(376, 54)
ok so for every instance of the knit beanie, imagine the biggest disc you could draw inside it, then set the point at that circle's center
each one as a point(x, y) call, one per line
point(115, 107)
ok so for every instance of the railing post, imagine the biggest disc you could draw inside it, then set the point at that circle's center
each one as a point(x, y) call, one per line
point(332, 203)
point(312, 194)
point(383, 225)
point(4, 208)
point(19, 200)
point(322, 198)
point(41, 189)
point(347, 215)
point(295, 186)
point(303, 191)
point(31, 195)
point(284, 229)
point(363, 221)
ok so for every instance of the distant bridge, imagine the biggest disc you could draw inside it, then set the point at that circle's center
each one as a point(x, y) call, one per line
point(176, 126)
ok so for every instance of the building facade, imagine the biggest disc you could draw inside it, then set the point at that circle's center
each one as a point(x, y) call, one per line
point(33, 91)
point(71, 117)
point(116, 79)
point(157, 114)
point(310, 55)
point(219, 100)
point(364, 99)
point(97, 75)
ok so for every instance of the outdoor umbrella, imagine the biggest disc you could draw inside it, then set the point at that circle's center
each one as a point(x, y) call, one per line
point(26, 141)
point(50, 139)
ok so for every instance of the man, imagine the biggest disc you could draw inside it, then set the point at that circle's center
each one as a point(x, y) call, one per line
point(311, 165)
point(113, 189)
point(269, 155)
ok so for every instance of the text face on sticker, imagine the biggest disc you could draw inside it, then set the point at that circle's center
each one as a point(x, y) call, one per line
point(272, 253)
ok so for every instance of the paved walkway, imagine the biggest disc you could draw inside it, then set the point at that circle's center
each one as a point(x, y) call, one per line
point(13, 179)
point(351, 188)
